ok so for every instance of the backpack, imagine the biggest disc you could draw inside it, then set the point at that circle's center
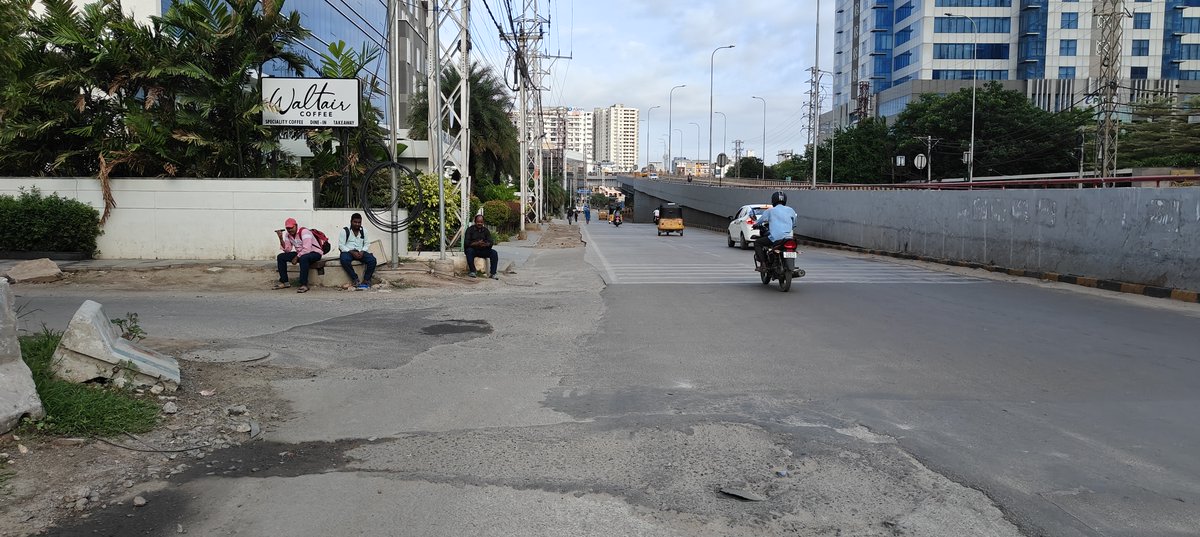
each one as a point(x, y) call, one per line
point(364, 234)
point(321, 239)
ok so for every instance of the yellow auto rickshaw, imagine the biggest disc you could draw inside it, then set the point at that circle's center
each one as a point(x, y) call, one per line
point(670, 218)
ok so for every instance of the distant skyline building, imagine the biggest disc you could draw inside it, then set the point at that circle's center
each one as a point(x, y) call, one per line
point(892, 50)
point(616, 136)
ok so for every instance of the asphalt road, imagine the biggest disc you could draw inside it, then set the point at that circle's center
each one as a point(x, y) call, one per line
point(614, 390)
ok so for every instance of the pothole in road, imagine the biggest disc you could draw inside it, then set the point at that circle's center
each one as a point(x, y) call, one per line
point(457, 326)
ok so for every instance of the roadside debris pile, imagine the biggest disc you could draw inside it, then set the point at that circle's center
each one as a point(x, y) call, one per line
point(92, 349)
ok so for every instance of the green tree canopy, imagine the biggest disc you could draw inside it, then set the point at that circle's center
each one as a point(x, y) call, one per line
point(1161, 135)
point(1012, 136)
point(495, 142)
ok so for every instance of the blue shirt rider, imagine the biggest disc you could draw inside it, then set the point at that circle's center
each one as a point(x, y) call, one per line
point(780, 220)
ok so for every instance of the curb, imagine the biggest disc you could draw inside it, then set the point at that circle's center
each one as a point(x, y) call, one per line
point(1172, 293)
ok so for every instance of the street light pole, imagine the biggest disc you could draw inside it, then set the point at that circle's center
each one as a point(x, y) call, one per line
point(711, 58)
point(974, 76)
point(670, 131)
point(763, 174)
point(724, 134)
point(651, 109)
point(697, 142)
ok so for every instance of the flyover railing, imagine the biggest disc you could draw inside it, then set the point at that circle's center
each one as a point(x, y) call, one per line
point(1061, 182)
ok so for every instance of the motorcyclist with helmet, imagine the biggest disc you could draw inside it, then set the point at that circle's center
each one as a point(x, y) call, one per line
point(779, 221)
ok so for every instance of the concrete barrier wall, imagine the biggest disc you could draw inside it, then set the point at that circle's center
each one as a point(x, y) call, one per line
point(1140, 235)
point(199, 218)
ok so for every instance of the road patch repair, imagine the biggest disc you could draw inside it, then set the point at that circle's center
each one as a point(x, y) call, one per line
point(18, 396)
point(92, 348)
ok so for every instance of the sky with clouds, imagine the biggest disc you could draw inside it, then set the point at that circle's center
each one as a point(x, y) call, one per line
point(632, 52)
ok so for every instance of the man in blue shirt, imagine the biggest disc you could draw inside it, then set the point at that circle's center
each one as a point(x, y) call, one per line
point(780, 220)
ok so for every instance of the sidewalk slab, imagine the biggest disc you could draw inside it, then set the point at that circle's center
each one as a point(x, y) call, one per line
point(18, 395)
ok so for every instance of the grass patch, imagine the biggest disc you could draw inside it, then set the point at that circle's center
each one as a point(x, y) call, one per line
point(80, 409)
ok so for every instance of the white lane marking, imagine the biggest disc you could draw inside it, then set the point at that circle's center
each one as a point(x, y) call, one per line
point(611, 275)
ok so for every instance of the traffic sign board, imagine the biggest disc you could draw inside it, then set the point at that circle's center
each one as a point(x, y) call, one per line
point(920, 161)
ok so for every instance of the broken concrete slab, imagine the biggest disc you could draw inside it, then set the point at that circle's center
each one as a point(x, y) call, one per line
point(92, 348)
point(18, 395)
point(35, 271)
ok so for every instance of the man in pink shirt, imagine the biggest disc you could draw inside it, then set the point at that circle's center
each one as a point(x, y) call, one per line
point(299, 248)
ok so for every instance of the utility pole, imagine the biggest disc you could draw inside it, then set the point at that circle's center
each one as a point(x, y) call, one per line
point(816, 95)
point(737, 157)
point(1106, 62)
point(449, 125)
point(528, 31)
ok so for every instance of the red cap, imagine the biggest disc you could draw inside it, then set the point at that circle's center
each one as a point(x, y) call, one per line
point(290, 222)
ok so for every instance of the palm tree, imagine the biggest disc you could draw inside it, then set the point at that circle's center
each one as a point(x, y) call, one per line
point(495, 147)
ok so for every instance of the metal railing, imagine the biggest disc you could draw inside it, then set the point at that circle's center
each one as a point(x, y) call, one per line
point(1087, 182)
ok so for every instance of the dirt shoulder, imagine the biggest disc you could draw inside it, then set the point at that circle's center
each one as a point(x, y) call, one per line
point(46, 480)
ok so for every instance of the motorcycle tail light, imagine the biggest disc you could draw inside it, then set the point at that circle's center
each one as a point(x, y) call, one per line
point(789, 245)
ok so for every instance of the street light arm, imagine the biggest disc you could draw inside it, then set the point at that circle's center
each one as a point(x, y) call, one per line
point(670, 119)
point(711, 58)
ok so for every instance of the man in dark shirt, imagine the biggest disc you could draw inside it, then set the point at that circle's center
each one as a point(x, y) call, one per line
point(479, 244)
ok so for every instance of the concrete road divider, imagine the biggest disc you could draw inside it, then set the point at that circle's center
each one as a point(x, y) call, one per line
point(92, 348)
point(18, 395)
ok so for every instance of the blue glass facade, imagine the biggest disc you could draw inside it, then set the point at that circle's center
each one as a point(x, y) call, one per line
point(882, 44)
point(357, 22)
point(1031, 46)
point(1174, 50)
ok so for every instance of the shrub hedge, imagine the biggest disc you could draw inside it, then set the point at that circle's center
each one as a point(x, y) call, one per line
point(34, 222)
point(495, 214)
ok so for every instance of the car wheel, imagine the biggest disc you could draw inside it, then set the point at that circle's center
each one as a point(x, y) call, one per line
point(745, 243)
point(729, 238)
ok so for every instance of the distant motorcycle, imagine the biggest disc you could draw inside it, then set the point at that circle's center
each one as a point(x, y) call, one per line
point(780, 262)
point(616, 219)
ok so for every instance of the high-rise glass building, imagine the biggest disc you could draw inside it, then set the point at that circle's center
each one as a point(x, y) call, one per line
point(886, 51)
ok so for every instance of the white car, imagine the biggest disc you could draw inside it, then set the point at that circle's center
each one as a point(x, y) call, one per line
point(653, 176)
point(741, 228)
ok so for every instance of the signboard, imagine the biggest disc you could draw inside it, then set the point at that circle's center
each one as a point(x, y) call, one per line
point(900, 161)
point(310, 102)
point(920, 161)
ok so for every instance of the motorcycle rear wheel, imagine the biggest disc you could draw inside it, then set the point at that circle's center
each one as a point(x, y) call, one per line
point(785, 281)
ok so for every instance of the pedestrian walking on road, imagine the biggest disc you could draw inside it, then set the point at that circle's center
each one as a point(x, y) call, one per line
point(587, 214)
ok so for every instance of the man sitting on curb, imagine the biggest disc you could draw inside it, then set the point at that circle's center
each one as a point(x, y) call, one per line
point(479, 243)
point(353, 245)
point(300, 248)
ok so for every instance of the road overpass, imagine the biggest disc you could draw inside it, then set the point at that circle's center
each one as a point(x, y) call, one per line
point(1148, 236)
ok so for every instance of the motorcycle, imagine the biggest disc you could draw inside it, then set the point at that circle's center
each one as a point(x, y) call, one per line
point(780, 263)
point(616, 219)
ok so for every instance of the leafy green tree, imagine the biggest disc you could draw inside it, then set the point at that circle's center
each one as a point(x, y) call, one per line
point(495, 142)
point(862, 155)
point(1012, 136)
point(749, 167)
point(424, 232)
point(1161, 135)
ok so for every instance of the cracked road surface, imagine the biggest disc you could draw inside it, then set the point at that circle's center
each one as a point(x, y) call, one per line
point(554, 403)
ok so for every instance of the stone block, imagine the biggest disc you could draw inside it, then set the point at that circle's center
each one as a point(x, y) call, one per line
point(92, 348)
point(18, 395)
point(35, 271)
